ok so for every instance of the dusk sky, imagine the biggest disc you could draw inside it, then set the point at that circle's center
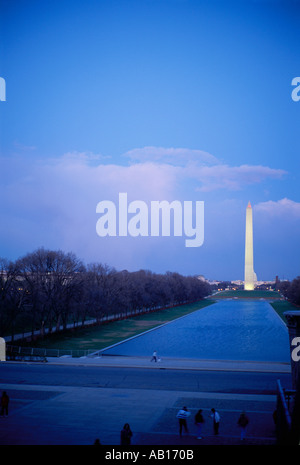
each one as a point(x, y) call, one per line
point(184, 100)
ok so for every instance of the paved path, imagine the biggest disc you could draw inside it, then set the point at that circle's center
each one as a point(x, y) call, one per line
point(176, 363)
point(74, 415)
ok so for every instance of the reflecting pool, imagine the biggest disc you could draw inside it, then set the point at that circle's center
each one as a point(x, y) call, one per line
point(226, 330)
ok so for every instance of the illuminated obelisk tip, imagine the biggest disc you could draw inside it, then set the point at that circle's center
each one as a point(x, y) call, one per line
point(250, 277)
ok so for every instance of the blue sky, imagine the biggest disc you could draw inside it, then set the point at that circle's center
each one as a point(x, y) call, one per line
point(162, 99)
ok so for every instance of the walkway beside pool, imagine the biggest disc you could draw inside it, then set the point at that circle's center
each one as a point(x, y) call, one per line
point(174, 363)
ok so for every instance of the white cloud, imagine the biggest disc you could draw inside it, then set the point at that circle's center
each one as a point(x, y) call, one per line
point(84, 178)
point(140, 181)
point(54, 201)
point(174, 156)
point(204, 168)
point(284, 207)
point(231, 177)
point(159, 176)
point(78, 157)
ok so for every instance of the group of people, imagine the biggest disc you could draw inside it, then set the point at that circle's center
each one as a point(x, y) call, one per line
point(183, 415)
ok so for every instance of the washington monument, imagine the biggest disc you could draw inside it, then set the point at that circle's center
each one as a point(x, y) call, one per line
point(250, 276)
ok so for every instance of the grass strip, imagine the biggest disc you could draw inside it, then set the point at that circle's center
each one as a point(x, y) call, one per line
point(242, 294)
point(282, 306)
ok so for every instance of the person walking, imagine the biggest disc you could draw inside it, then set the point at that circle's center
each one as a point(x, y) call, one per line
point(199, 420)
point(126, 435)
point(4, 404)
point(216, 420)
point(243, 422)
point(154, 356)
point(182, 416)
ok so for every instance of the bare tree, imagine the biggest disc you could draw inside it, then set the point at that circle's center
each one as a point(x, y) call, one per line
point(12, 297)
point(99, 289)
point(51, 279)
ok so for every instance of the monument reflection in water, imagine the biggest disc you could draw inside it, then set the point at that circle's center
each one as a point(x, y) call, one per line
point(226, 330)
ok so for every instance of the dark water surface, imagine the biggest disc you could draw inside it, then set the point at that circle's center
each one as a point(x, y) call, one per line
point(226, 330)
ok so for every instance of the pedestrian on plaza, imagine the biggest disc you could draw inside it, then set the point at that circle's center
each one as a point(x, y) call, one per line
point(243, 422)
point(126, 435)
point(182, 416)
point(199, 420)
point(4, 404)
point(216, 420)
point(154, 356)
